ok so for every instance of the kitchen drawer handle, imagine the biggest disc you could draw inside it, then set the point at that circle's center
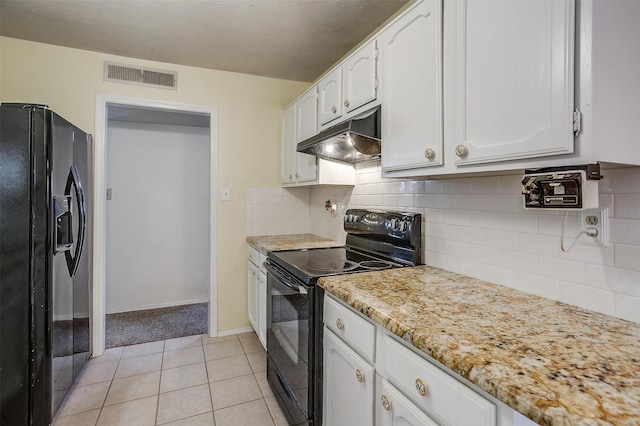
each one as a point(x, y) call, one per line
point(346, 103)
point(340, 324)
point(359, 375)
point(421, 387)
point(385, 402)
point(334, 109)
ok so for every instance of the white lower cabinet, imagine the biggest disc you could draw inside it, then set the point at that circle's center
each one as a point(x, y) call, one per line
point(394, 409)
point(348, 385)
point(257, 294)
point(395, 385)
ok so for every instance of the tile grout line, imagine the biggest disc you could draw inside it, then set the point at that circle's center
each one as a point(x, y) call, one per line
point(206, 370)
point(159, 383)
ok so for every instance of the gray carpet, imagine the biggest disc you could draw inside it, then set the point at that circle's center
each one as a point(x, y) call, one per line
point(150, 325)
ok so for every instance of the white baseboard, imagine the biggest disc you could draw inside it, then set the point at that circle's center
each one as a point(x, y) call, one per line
point(234, 331)
point(155, 306)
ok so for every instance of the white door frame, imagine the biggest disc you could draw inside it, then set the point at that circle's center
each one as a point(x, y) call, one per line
point(99, 208)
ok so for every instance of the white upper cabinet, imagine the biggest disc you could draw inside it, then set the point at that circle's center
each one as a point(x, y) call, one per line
point(349, 86)
point(330, 97)
point(411, 53)
point(359, 77)
point(289, 141)
point(514, 80)
point(306, 108)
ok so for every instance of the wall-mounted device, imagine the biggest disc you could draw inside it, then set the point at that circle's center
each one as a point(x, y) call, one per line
point(571, 187)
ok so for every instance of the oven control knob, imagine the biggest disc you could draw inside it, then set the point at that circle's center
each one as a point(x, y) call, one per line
point(394, 223)
point(403, 226)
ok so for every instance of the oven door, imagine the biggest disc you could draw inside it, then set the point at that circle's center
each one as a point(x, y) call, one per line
point(290, 336)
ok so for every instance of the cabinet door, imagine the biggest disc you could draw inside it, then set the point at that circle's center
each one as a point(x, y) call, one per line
point(514, 80)
point(252, 292)
point(359, 77)
point(348, 385)
point(262, 309)
point(289, 141)
point(330, 97)
point(397, 410)
point(411, 54)
point(307, 116)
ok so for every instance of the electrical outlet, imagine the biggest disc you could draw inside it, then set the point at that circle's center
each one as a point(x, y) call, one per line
point(595, 225)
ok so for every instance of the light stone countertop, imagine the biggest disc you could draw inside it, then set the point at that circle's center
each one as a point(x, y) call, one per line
point(290, 242)
point(555, 363)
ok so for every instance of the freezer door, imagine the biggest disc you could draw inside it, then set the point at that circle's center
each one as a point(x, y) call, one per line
point(15, 252)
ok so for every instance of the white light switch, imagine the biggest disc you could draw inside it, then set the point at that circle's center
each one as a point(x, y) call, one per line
point(226, 193)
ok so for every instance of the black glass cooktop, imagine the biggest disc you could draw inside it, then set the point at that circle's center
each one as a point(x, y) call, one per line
point(314, 263)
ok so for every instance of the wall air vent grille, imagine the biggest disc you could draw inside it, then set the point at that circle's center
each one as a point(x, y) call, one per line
point(120, 73)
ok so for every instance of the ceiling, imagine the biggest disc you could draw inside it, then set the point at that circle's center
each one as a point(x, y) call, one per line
point(287, 39)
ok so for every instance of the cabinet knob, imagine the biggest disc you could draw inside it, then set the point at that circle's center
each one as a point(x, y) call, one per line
point(421, 387)
point(429, 153)
point(297, 175)
point(461, 151)
point(334, 109)
point(340, 324)
point(385, 402)
point(346, 103)
point(359, 375)
point(290, 176)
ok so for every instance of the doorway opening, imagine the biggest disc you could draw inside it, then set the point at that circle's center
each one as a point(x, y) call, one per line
point(154, 273)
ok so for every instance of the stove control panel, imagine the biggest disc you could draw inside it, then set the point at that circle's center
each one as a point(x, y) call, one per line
point(378, 229)
point(383, 223)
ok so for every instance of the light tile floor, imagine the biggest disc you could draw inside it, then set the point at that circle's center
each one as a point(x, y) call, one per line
point(194, 380)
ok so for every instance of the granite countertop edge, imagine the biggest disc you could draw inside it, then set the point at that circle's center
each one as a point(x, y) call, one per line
point(267, 243)
point(555, 363)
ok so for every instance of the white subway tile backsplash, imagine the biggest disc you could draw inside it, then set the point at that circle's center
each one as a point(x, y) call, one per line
point(627, 206)
point(499, 275)
point(501, 239)
point(477, 226)
point(486, 255)
point(565, 270)
point(434, 187)
point(540, 286)
point(471, 235)
point(457, 217)
point(587, 297)
point(627, 256)
point(440, 230)
point(627, 307)
point(624, 231)
point(519, 261)
point(424, 200)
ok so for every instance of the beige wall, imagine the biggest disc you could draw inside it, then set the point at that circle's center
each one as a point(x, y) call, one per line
point(248, 131)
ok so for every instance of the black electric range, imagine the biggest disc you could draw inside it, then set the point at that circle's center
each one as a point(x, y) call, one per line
point(376, 240)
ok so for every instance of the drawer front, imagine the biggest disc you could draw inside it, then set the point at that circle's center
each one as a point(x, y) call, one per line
point(356, 331)
point(433, 390)
point(254, 256)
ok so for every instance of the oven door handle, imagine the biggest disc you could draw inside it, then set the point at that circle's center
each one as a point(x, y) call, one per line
point(284, 280)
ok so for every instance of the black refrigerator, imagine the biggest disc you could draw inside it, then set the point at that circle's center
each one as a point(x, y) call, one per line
point(45, 261)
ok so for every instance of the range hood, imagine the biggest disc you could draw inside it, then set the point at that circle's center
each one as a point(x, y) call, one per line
point(352, 141)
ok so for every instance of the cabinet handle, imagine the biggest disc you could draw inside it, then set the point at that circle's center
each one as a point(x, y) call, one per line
point(297, 175)
point(334, 109)
point(340, 324)
point(461, 151)
point(429, 153)
point(346, 103)
point(385, 402)
point(359, 375)
point(290, 177)
point(421, 387)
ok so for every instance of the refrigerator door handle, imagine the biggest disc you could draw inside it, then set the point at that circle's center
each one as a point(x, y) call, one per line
point(74, 180)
